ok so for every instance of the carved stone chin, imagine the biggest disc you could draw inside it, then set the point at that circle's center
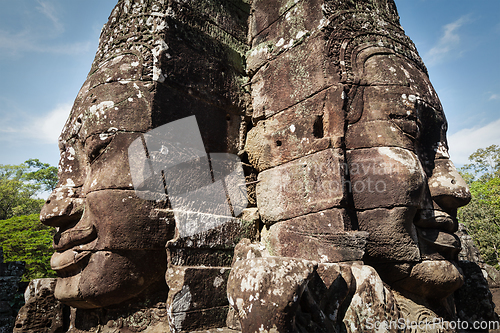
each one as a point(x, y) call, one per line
point(436, 279)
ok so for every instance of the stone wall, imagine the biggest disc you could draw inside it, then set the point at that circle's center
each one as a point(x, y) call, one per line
point(10, 292)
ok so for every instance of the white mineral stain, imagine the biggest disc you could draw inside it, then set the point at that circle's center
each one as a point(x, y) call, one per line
point(403, 156)
point(292, 128)
point(161, 46)
point(161, 26)
point(289, 45)
point(101, 107)
point(441, 149)
point(218, 281)
point(239, 305)
point(158, 75)
point(323, 23)
point(257, 50)
point(103, 136)
point(300, 34)
point(281, 42)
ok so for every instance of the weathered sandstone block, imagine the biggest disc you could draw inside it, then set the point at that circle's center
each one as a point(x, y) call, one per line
point(309, 184)
point(197, 297)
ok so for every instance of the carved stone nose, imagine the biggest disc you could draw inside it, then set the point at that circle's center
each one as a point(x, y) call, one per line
point(447, 187)
point(61, 208)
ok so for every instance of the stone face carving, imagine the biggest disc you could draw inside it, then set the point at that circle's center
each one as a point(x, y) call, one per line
point(157, 62)
point(377, 106)
point(343, 143)
point(365, 89)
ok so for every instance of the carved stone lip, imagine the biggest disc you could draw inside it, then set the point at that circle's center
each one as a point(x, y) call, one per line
point(75, 236)
point(442, 242)
point(436, 220)
point(69, 260)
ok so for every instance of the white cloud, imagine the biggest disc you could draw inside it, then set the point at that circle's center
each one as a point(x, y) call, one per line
point(8, 130)
point(45, 129)
point(43, 33)
point(24, 42)
point(494, 97)
point(49, 11)
point(464, 142)
point(49, 127)
point(448, 42)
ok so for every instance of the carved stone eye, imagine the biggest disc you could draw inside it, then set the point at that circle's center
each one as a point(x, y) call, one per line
point(96, 144)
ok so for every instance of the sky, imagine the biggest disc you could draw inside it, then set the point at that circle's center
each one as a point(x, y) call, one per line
point(47, 48)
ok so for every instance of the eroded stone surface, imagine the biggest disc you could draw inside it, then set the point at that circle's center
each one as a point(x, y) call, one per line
point(265, 292)
point(318, 236)
point(372, 302)
point(395, 161)
point(385, 177)
point(42, 312)
point(309, 184)
point(11, 291)
point(388, 238)
point(474, 299)
point(197, 297)
point(290, 79)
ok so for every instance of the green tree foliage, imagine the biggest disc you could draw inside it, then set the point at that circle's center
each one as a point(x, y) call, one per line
point(42, 174)
point(20, 185)
point(482, 215)
point(24, 238)
point(485, 163)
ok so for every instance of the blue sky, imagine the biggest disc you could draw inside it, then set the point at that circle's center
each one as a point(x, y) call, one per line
point(47, 47)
